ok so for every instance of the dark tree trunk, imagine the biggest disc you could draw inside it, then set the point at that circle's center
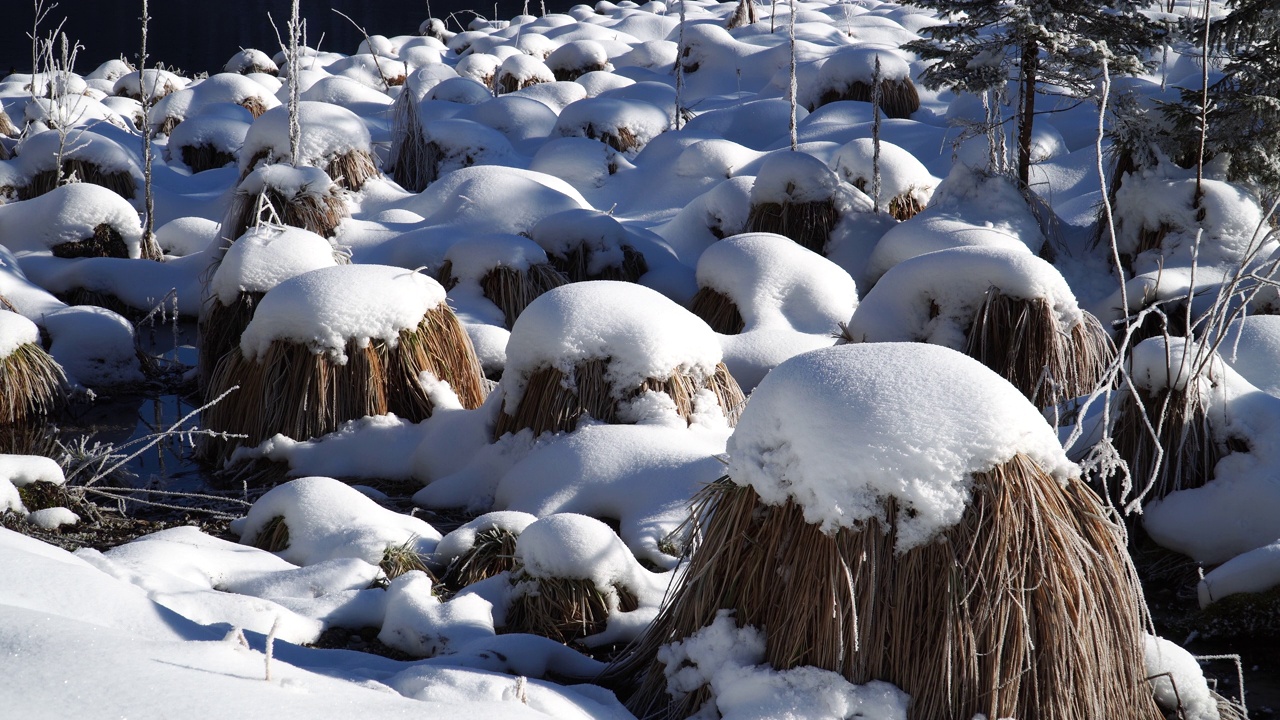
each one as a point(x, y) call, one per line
point(1030, 70)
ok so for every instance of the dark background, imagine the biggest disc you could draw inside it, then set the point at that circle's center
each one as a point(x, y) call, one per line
point(201, 35)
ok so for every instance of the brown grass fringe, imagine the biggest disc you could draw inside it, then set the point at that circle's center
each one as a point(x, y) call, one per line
point(719, 311)
point(511, 290)
point(273, 537)
point(902, 207)
point(1190, 452)
point(809, 224)
point(31, 384)
point(7, 128)
point(303, 395)
point(743, 14)
point(352, 169)
point(1029, 607)
point(255, 106)
point(205, 157)
point(505, 83)
point(564, 610)
point(219, 331)
point(120, 182)
point(898, 98)
point(400, 559)
point(493, 553)
point(576, 262)
point(410, 164)
point(623, 139)
point(320, 215)
point(106, 242)
point(573, 73)
point(1024, 342)
point(549, 405)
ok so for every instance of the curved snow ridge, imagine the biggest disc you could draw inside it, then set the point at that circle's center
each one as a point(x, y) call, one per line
point(324, 309)
point(640, 332)
point(841, 429)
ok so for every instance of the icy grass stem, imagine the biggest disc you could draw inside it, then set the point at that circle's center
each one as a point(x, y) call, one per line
point(792, 88)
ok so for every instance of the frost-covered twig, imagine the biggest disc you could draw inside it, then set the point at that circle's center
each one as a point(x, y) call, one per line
point(369, 43)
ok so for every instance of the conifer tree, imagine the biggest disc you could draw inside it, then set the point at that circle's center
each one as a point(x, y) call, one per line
point(1050, 47)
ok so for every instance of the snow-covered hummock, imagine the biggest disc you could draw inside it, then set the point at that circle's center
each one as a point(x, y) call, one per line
point(594, 117)
point(462, 143)
point(462, 539)
point(578, 56)
point(597, 233)
point(1177, 680)
point(68, 214)
point(220, 88)
point(793, 178)
point(328, 519)
point(641, 333)
point(933, 297)
point(791, 300)
point(852, 65)
point(520, 70)
point(250, 60)
point(157, 83)
point(327, 131)
point(19, 470)
point(16, 331)
point(969, 207)
point(731, 661)
point(38, 152)
point(478, 254)
point(900, 172)
point(1254, 571)
point(488, 198)
point(222, 126)
point(461, 90)
point(841, 429)
point(1233, 224)
point(287, 180)
point(518, 118)
point(325, 309)
point(264, 257)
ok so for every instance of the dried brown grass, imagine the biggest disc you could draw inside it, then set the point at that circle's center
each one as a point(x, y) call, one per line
point(564, 610)
point(551, 403)
point(119, 182)
point(352, 169)
point(410, 163)
point(400, 559)
point(1025, 343)
point(205, 157)
point(809, 224)
point(31, 384)
point(719, 311)
point(1029, 607)
point(273, 537)
point(576, 265)
point(743, 14)
point(505, 83)
point(106, 242)
point(219, 331)
point(255, 106)
point(303, 395)
point(7, 128)
point(898, 98)
point(622, 138)
point(569, 74)
point(320, 214)
point(902, 207)
point(1189, 450)
point(510, 289)
point(492, 553)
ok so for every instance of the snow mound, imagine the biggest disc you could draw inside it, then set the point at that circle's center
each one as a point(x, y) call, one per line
point(69, 213)
point(328, 519)
point(640, 332)
point(16, 331)
point(327, 131)
point(841, 429)
point(1178, 681)
point(325, 308)
point(264, 257)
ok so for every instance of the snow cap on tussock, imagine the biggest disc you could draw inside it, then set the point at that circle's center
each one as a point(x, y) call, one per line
point(839, 430)
point(934, 297)
point(287, 180)
point(575, 547)
point(328, 519)
point(15, 331)
point(69, 214)
point(265, 256)
point(641, 333)
point(1158, 364)
point(793, 177)
point(472, 259)
point(326, 132)
point(39, 151)
point(598, 233)
point(326, 308)
point(463, 538)
point(900, 172)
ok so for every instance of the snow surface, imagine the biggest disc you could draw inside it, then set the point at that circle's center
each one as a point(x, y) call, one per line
point(912, 412)
point(326, 308)
point(16, 331)
point(264, 257)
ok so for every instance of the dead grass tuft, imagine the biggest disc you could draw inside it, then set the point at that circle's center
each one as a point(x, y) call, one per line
point(219, 331)
point(320, 214)
point(301, 394)
point(510, 289)
point(506, 82)
point(31, 384)
point(493, 553)
point(555, 403)
point(205, 157)
point(400, 559)
point(576, 265)
point(410, 164)
point(809, 224)
point(106, 242)
point(352, 169)
point(119, 182)
point(562, 609)
point(902, 207)
point(1028, 607)
point(719, 311)
point(255, 106)
point(1189, 451)
point(274, 536)
point(898, 98)
point(1024, 342)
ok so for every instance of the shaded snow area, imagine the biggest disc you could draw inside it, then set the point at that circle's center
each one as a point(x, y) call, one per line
point(507, 301)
